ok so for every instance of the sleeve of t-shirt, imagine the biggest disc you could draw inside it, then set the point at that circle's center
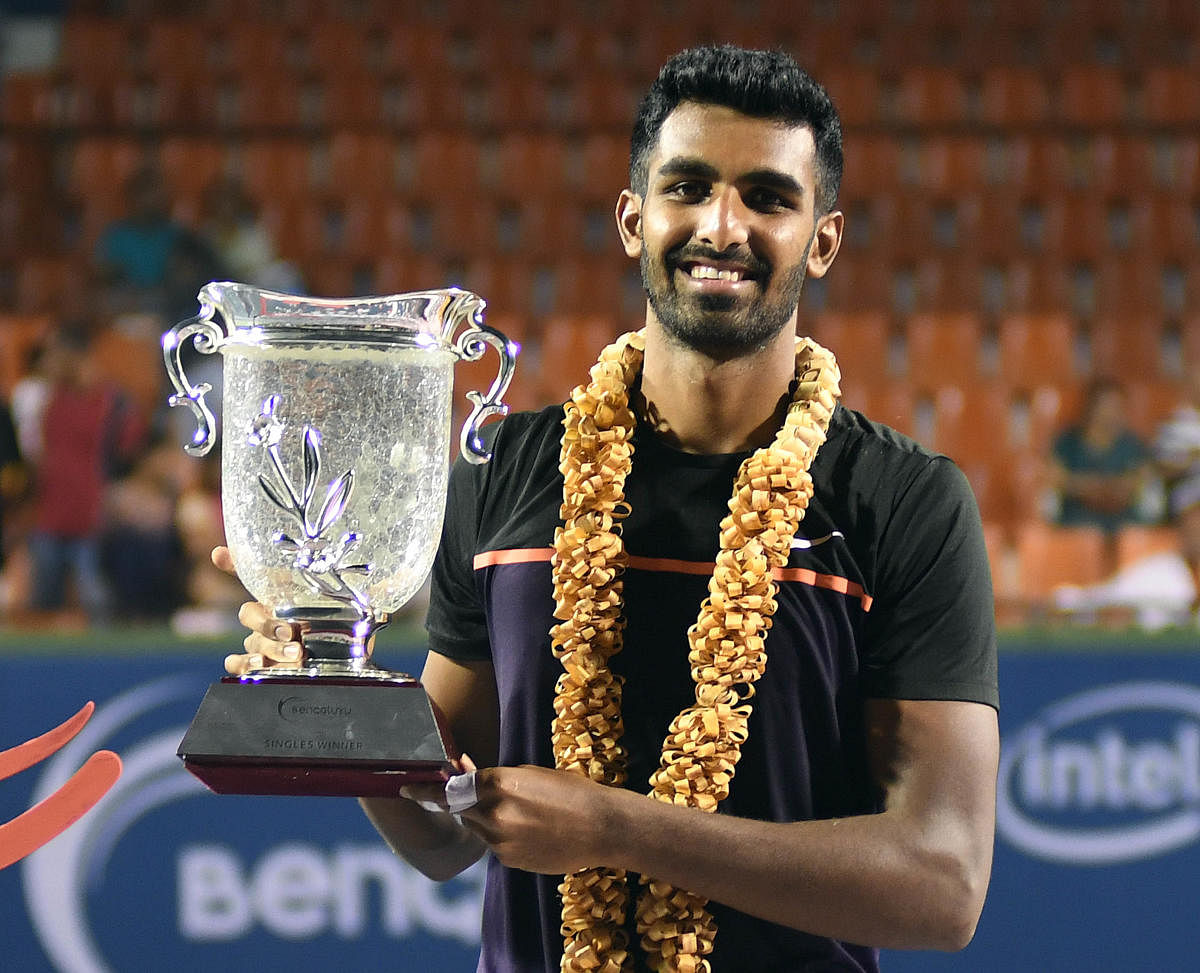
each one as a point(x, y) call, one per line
point(455, 621)
point(931, 630)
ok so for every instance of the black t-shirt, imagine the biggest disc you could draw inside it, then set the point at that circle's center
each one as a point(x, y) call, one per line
point(887, 594)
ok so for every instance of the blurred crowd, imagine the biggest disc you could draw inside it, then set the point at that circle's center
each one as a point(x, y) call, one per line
point(103, 517)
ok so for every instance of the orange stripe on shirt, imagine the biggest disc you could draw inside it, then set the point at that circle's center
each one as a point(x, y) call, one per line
point(832, 582)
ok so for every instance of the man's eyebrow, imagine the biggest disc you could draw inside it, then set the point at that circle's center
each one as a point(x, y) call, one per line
point(772, 178)
point(682, 165)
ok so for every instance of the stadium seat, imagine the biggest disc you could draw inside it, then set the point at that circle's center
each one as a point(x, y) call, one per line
point(860, 341)
point(928, 95)
point(1170, 95)
point(855, 92)
point(275, 168)
point(1128, 347)
point(1092, 95)
point(1134, 542)
point(971, 422)
point(190, 165)
point(1049, 556)
point(569, 347)
point(1037, 349)
point(942, 349)
point(1012, 95)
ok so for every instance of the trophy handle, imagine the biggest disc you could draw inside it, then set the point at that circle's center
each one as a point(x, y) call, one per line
point(471, 345)
point(206, 338)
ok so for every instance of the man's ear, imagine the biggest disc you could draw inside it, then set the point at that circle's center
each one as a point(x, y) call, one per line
point(629, 222)
point(825, 244)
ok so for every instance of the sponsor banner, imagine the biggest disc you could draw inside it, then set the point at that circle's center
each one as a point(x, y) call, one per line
point(1097, 848)
point(163, 871)
point(1098, 818)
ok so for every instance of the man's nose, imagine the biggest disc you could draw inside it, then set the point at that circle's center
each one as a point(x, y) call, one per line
point(722, 221)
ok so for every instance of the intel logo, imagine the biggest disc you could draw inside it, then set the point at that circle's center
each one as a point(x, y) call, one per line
point(1107, 776)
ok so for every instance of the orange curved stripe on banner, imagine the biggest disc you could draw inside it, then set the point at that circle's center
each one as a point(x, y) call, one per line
point(49, 818)
point(26, 754)
point(806, 576)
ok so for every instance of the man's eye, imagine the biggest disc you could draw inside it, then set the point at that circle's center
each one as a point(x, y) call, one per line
point(689, 190)
point(765, 199)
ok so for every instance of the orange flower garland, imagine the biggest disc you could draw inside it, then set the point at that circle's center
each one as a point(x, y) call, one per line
point(727, 656)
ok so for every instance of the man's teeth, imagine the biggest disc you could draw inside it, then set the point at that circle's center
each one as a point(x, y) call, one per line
point(712, 273)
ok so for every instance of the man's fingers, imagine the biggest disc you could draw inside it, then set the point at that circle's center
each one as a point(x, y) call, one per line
point(223, 559)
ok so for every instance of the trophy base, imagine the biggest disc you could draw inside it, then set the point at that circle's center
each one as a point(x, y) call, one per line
point(347, 736)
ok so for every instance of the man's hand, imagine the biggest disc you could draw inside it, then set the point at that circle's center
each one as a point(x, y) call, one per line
point(534, 818)
point(271, 642)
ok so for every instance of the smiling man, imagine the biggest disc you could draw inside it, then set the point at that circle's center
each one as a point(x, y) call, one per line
point(703, 580)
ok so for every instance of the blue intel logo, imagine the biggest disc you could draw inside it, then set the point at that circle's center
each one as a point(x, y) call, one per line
point(1108, 776)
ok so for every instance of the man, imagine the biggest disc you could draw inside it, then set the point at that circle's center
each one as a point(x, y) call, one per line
point(856, 799)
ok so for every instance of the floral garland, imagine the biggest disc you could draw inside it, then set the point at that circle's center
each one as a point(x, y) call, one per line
point(703, 744)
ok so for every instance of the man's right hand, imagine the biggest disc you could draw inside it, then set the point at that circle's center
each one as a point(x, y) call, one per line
point(271, 642)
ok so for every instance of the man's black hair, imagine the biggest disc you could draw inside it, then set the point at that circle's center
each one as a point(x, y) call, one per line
point(761, 84)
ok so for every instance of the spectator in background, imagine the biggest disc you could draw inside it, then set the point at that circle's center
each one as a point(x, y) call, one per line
point(1177, 452)
point(147, 260)
point(89, 434)
point(12, 469)
point(1099, 467)
point(243, 242)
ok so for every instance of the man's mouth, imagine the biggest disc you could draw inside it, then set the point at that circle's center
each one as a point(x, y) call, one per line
point(706, 272)
point(703, 270)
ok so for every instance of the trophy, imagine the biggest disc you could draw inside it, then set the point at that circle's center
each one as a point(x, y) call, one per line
point(335, 425)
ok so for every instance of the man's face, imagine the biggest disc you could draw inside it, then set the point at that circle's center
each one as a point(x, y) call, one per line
point(725, 232)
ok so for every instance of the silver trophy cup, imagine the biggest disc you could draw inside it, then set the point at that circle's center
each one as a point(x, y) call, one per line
point(335, 429)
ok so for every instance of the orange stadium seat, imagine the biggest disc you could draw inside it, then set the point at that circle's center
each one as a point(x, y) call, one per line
point(872, 164)
point(94, 47)
point(1049, 556)
point(275, 168)
point(1128, 347)
point(190, 165)
point(943, 349)
point(569, 347)
point(1037, 349)
point(860, 341)
point(1094, 95)
point(361, 163)
point(527, 164)
point(931, 95)
point(971, 422)
point(855, 92)
point(1170, 95)
point(1137, 541)
point(1014, 95)
point(441, 165)
point(1037, 164)
point(955, 164)
point(1150, 404)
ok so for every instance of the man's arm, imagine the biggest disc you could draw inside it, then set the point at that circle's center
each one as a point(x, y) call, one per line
point(434, 842)
point(911, 877)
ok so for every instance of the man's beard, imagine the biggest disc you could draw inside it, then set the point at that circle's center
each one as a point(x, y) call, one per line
point(714, 324)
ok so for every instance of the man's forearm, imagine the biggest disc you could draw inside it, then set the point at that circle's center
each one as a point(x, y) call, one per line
point(432, 842)
point(873, 879)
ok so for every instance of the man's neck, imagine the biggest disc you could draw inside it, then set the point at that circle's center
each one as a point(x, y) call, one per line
point(703, 405)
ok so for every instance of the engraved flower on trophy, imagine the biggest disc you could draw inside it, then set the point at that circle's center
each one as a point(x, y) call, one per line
point(320, 560)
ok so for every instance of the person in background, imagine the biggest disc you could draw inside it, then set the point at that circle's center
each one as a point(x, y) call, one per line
point(243, 241)
point(148, 262)
point(12, 470)
point(1177, 455)
point(1099, 468)
point(90, 434)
